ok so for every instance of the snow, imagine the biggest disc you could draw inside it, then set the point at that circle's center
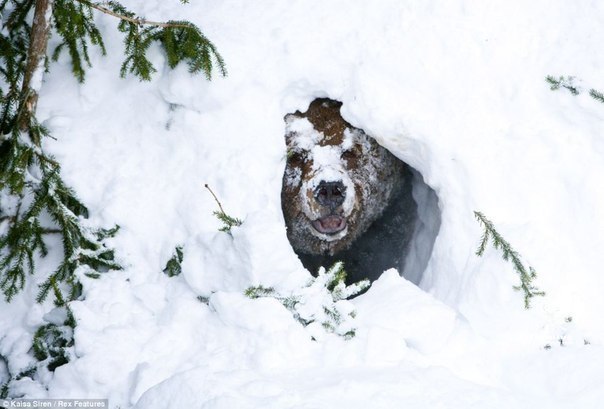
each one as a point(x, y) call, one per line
point(456, 89)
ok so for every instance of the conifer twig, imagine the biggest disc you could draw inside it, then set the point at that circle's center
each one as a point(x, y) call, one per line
point(215, 198)
point(229, 221)
point(331, 286)
point(597, 95)
point(52, 231)
point(564, 82)
point(508, 254)
point(567, 82)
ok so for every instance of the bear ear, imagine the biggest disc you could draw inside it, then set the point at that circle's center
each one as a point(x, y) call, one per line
point(289, 117)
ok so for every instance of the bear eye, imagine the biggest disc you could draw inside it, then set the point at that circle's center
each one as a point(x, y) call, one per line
point(349, 154)
point(296, 158)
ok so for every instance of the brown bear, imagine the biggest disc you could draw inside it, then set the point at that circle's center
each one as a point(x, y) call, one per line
point(344, 197)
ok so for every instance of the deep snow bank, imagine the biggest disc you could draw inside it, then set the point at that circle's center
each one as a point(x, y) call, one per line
point(456, 89)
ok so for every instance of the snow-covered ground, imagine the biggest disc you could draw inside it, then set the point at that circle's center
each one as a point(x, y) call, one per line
point(454, 88)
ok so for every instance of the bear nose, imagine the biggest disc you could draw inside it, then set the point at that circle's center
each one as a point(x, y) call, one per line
point(330, 194)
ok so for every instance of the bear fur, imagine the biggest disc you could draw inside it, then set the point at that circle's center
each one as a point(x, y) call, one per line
point(344, 197)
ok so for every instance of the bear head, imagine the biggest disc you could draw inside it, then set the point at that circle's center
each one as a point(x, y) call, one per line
point(337, 180)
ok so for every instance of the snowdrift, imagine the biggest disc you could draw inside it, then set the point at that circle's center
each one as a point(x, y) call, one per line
point(455, 89)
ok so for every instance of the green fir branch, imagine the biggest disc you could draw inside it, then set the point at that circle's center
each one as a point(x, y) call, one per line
point(73, 21)
point(137, 43)
point(181, 40)
point(51, 344)
point(331, 288)
point(259, 291)
point(82, 247)
point(174, 265)
point(184, 42)
point(337, 276)
point(567, 83)
point(511, 255)
point(228, 221)
point(597, 95)
point(562, 82)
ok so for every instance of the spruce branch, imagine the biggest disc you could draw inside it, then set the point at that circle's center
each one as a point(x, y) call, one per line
point(567, 82)
point(508, 254)
point(74, 22)
point(181, 40)
point(174, 265)
point(259, 291)
point(322, 301)
point(597, 95)
point(335, 283)
point(52, 342)
point(82, 247)
point(564, 82)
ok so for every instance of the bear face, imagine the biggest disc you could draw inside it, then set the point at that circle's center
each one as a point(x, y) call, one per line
point(337, 183)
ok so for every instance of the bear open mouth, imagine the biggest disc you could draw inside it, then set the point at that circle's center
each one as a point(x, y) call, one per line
point(331, 224)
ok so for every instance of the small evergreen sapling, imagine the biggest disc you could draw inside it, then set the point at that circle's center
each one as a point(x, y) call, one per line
point(322, 304)
point(31, 188)
point(228, 221)
point(511, 255)
point(34, 199)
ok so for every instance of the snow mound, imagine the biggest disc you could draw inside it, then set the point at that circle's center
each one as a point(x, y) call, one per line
point(455, 89)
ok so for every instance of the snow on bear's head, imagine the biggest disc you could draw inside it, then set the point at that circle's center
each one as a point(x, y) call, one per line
point(337, 180)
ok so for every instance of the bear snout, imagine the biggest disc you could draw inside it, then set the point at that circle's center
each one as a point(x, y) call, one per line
point(330, 194)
